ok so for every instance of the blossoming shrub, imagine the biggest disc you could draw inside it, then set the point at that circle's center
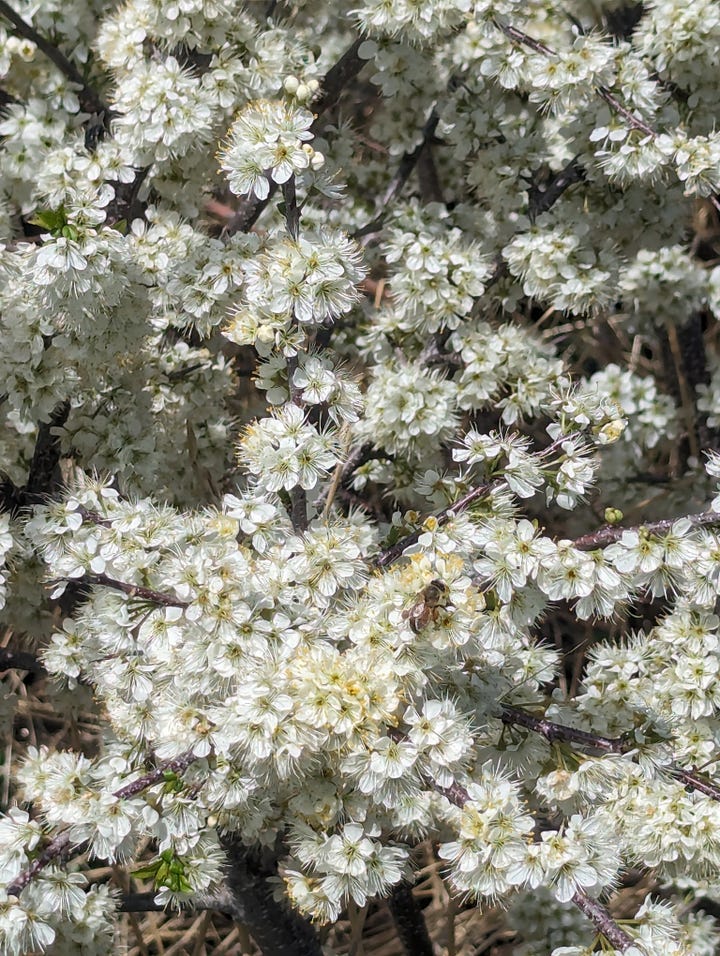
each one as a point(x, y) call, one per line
point(360, 465)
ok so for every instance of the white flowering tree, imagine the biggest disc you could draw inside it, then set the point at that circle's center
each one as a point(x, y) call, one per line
point(360, 406)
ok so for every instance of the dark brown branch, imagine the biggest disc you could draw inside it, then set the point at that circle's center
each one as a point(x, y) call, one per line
point(56, 850)
point(396, 185)
point(44, 477)
point(175, 765)
point(20, 660)
point(89, 99)
point(141, 903)
point(540, 200)
point(595, 912)
point(7, 99)
point(292, 212)
point(553, 732)
point(135, 590)
point(518, 36)
point(337, 78)
point(694, 781)
point(391, 554)
point(125, 204)
point(298, 495)
point(611, 533)
point(635, 121)
point(146, 903)
point(249, 898)
point(617, 745)
point(94, 518)
point(409, 921)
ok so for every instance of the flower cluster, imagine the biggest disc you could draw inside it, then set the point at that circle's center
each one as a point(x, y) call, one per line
point(285, 450)
point(268, 139)
point(310, 281)
point(562, 266)
point(465, 250)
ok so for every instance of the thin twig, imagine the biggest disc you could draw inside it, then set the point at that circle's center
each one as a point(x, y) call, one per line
point(687, 400)
point(635, 121)
point(595, 912)
point(518, 36)
point(354, 458)
point(552, 732)
point(391, 554)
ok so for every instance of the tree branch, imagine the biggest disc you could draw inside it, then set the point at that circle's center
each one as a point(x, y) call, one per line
point(602, 921)
point(611, 533)
point(248, 897)
point(298, 495)
point(43, 476)
point(405, 168)
point(541, 200)
point(337, 78)
point(552, 732)
point(391, 554)
point(617, 745)
point(409, 921)
point(595, 912)
point(135, 590)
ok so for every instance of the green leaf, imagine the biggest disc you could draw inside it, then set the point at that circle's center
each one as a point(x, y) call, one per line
point(54, 220)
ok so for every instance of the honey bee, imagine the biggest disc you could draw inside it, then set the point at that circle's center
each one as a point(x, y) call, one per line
point(428, 604)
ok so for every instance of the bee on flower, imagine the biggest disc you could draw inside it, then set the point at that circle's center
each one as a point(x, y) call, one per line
point(427, 606)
